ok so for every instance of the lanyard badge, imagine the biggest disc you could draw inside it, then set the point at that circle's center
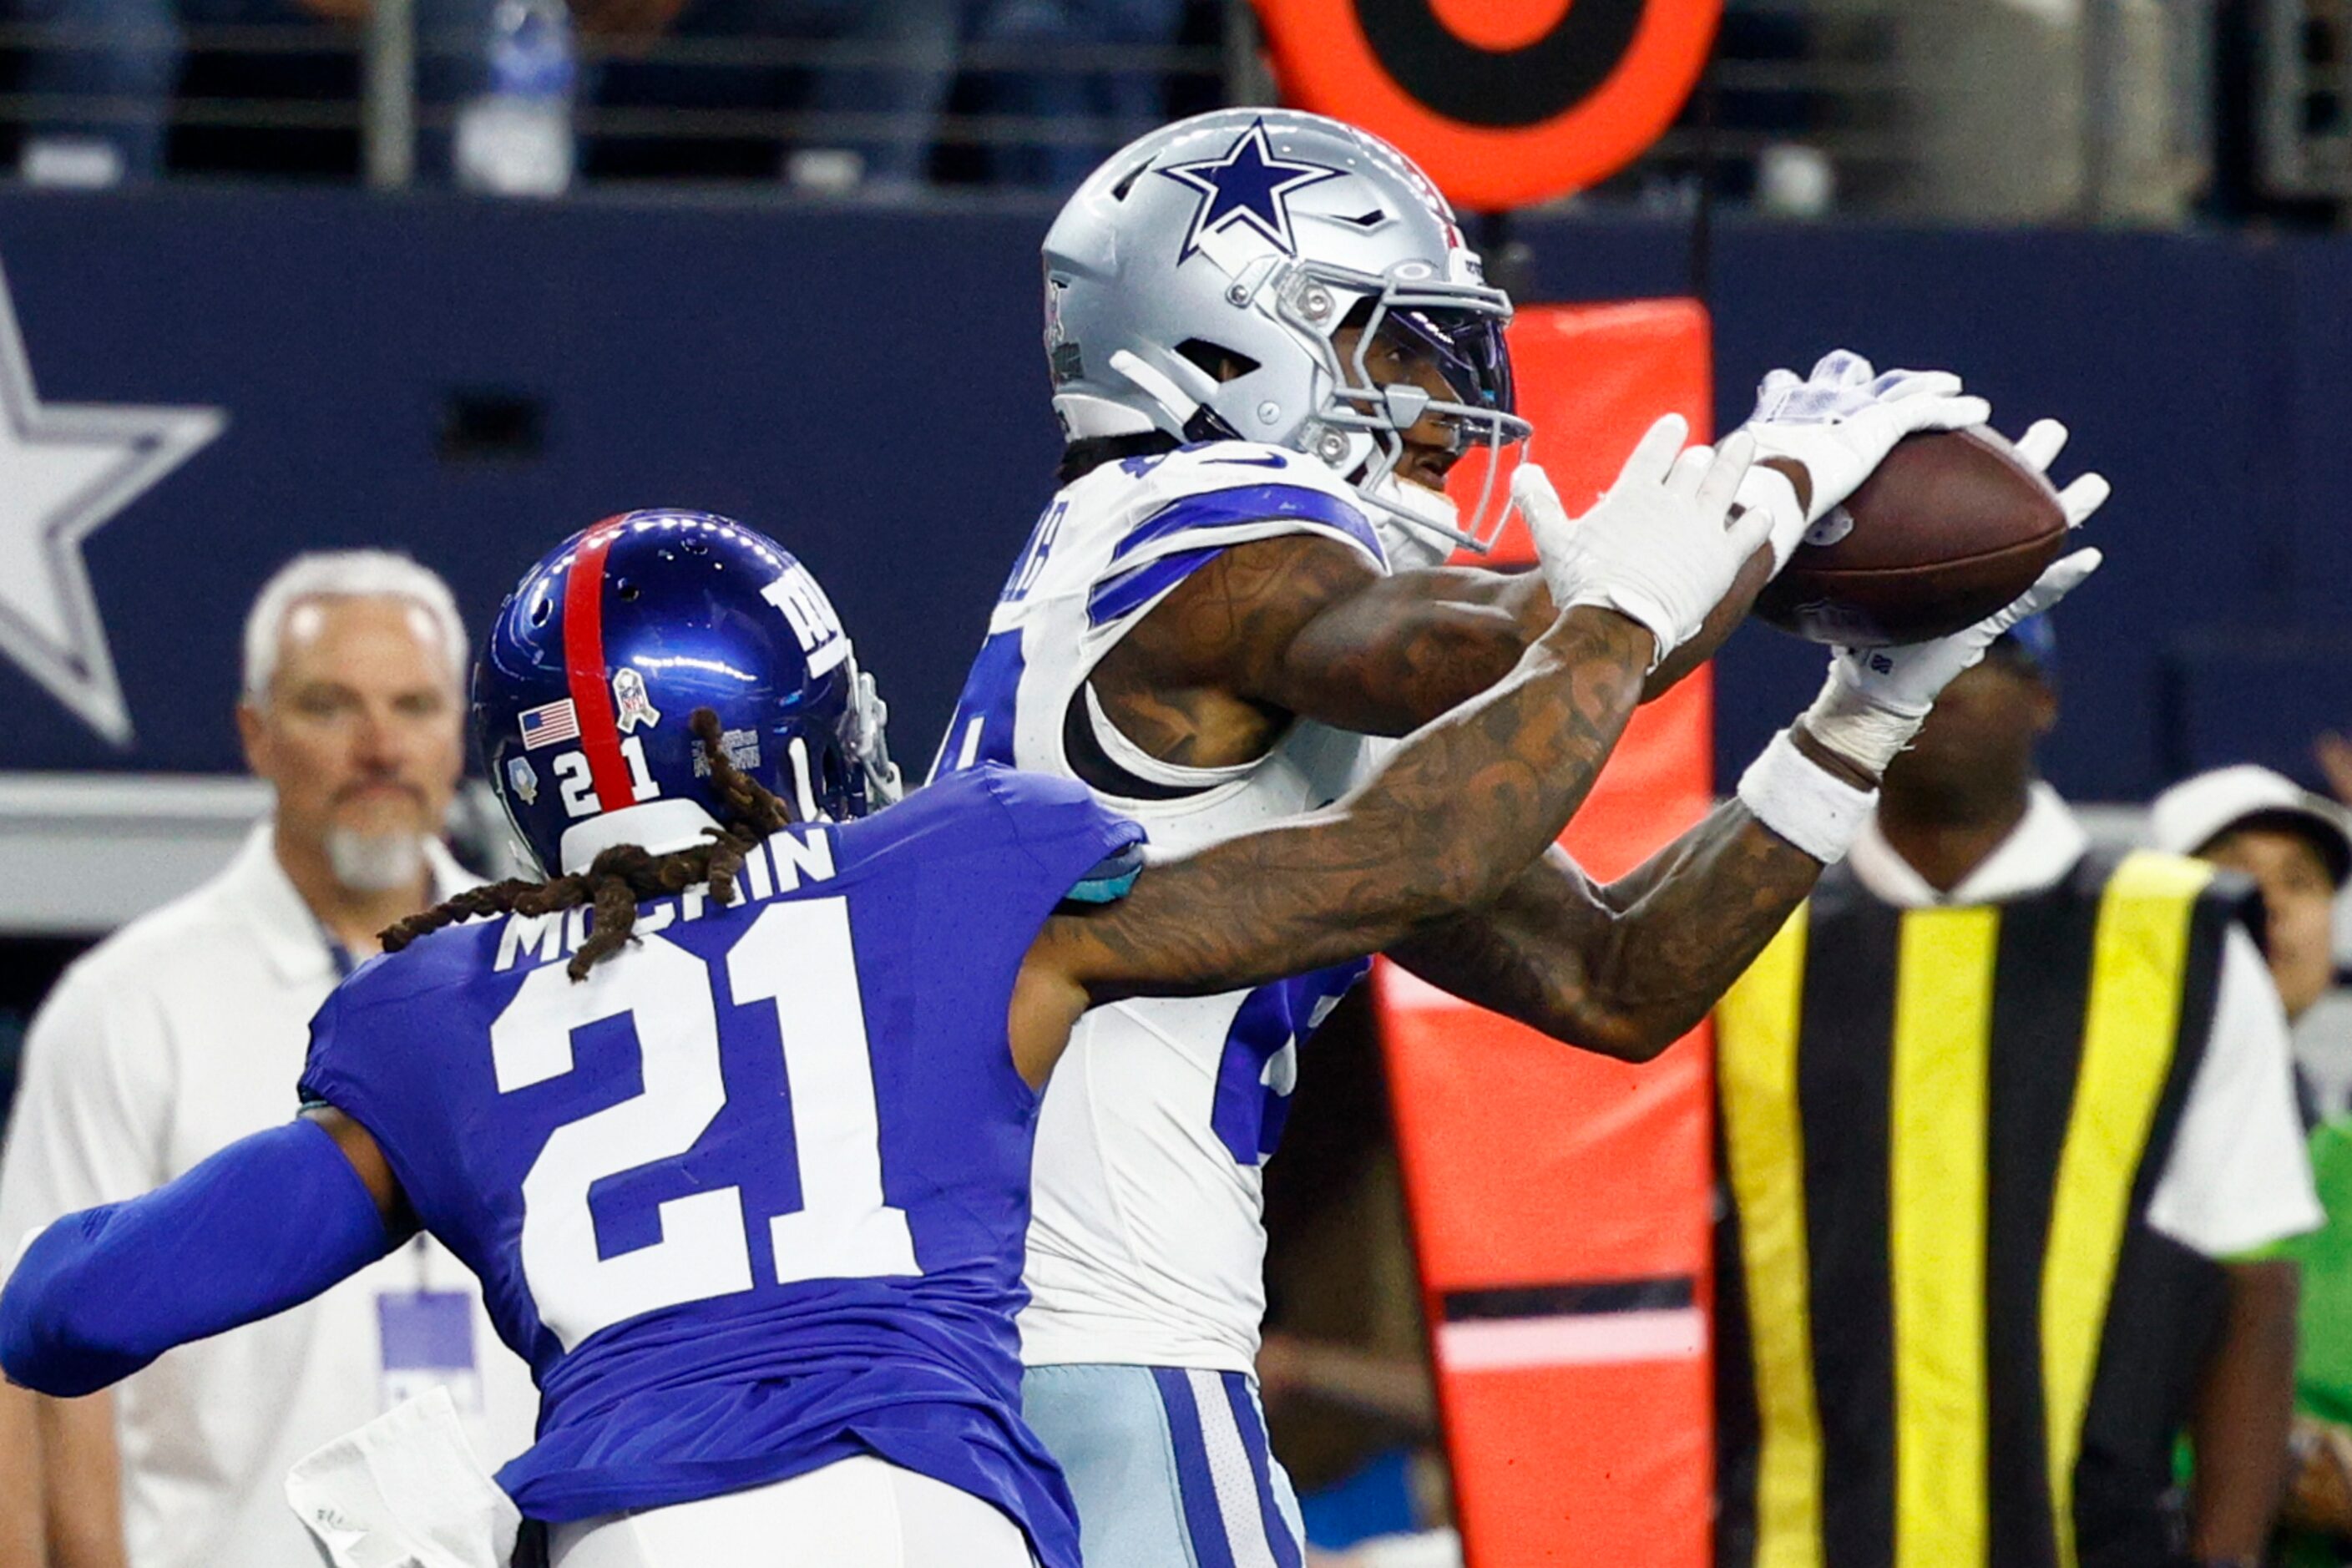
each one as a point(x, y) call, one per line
point(428, 1342)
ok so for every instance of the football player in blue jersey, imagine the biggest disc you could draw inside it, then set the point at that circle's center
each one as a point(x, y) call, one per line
point(1270, 347)
point(732, 1115)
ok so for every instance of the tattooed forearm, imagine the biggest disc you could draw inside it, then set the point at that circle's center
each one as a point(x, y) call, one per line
point(1407, 649)
point(1304, 626)
point(1454, 817)
point(1626, 969)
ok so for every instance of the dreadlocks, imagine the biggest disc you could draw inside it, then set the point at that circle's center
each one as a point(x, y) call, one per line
point(625, 876)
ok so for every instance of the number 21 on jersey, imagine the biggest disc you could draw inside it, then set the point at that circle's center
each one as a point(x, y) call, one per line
point(842, 1229)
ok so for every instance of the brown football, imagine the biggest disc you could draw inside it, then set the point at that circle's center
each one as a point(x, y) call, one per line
point(1950, 528)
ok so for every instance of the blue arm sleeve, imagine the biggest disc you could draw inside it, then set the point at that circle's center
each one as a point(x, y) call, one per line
point(268, 1222)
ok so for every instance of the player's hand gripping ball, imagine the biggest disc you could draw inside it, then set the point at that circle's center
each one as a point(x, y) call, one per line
point(1951, 526)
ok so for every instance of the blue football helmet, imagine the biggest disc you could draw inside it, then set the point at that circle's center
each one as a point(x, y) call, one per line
point(598, 660)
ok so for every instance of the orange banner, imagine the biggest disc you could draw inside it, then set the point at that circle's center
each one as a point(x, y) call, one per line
point(1559, 1200)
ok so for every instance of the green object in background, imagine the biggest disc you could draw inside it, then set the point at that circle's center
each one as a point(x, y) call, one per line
point(2322, 1370)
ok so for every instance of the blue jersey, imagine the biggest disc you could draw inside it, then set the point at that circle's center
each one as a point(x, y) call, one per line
point(751, 1197)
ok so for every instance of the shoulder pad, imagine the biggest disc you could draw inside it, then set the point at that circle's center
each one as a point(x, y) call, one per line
point(1225, 465)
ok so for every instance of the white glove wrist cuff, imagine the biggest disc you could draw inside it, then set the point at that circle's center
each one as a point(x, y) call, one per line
point(1866, 732)
point(1802, 802)
point(1647, 617)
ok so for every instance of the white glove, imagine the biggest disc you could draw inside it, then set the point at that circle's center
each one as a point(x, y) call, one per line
point(1842, 420)
point(1876, 699)
point(1655, 548)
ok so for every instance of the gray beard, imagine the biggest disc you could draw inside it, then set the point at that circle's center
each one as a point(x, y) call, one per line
point(374, 862)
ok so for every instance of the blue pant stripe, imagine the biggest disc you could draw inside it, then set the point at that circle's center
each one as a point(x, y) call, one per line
point(1255, 1443)
point(1193, 1481)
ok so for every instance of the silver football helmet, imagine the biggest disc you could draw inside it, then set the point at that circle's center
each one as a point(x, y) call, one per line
point(1196, 283)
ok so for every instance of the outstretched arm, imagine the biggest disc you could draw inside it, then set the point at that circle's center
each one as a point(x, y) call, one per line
point(1454, 814)
point(1459, 809)
point(1626, 968)
point(268, 1222)
point(1394, 652)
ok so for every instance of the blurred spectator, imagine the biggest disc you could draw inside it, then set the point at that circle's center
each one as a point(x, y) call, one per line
point(107, 82)
point(920, 38)
point(873, 106)
point(110, 79)
point(1071, 80)
point(2008, 1122)
point(2295, 847)
point(2291, 844)
point(187, 1029)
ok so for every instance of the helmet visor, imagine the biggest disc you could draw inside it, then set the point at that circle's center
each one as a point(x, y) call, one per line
point(1464, 347)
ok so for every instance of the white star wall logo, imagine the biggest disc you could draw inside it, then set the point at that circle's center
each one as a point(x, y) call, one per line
point(65, 469)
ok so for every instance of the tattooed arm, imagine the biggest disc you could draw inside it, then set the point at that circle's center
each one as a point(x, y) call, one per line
point(1627, 968)
point(1300, 624)
point(1304, 626)
point(1451, 819)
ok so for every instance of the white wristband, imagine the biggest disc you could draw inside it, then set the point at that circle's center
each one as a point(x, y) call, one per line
point(1803, 802)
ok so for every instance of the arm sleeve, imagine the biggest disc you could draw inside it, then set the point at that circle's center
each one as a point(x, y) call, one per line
point(268, 1222)
point(2238, 1177)
point(90, 1120)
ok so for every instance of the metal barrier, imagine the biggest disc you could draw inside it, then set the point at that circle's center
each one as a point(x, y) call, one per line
point(2306, 104)
point(1948, 109)
point(386, 57)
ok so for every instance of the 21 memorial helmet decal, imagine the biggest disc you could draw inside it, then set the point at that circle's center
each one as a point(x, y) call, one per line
point(598, 660)
point(1196, 283)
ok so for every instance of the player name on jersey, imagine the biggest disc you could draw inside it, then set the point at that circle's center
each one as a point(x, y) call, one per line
point(778, 866)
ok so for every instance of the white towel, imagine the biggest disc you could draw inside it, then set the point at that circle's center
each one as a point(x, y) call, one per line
point(404, 1491)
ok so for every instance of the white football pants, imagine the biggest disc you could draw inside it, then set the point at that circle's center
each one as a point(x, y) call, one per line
point(853, 1513)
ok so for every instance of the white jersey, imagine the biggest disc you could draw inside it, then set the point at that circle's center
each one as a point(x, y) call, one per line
point(1146, 1238)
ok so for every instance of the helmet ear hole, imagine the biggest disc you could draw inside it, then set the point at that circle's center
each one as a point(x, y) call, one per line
point(1127, 180)
point(1222, 364)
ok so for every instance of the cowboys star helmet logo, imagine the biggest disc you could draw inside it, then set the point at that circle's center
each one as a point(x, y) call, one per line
point(1248, 185)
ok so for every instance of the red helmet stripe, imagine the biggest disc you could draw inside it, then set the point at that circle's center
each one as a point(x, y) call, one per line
point(583, 665)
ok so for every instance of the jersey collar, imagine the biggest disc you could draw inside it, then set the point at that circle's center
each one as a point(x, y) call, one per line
point(2040, 849)
point(290, 936)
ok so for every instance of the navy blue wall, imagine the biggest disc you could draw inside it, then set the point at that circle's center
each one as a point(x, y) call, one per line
point(868, 387)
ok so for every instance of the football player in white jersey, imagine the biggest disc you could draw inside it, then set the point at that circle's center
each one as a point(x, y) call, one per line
point(1269, 345)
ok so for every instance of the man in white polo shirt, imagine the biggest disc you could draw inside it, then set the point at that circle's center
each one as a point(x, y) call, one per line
point(187, 1030)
